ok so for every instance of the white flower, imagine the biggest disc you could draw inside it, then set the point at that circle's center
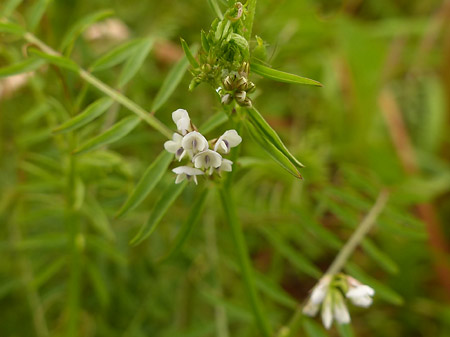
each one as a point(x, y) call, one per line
point(194, 142)
point(359, 294)
point(340, 310)
point(327, 313)
point(320, 290)
point(181, 118)
point(226, 165)
point(207, 160)
point(174, 146)
point(228, 140)
point(186, 172)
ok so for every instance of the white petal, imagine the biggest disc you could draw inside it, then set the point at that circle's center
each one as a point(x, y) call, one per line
point(360, 291)
point(207, 159)
point(320, 290)
point(194, 142)
point(233, 137)
point(340, 311)
point(327, 315)
point(363, 301)
point(311, 309)
point(180, 178)
point(190, 171)
point(184, 125)
point(171, 146)
point(226, 165)
point(178, 114)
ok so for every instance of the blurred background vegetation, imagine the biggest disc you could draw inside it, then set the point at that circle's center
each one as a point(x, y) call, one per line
point(379, 121)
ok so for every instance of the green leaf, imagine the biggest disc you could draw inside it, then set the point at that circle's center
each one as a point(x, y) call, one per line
point(263, 127)
point(93, 111)
point(188, 53)
point(281, 76)
point(79, 26)
point(276, 154)
point(205, 43)
point(274, 291)
point(170, 83)
point(147, 183)
point(379, 256)
point(241, 43)
point(9, 6)
point(116, 55)
point(193, 218)
point(135, 62)
point(6, 27)
point(294, 256)
point(97, 217)
point(24, 66)
point(116, 132)
point(35, 13)
point(345, 330)
point(214, 121)
point(312, 329)
point(160, 208)
point(57, 60)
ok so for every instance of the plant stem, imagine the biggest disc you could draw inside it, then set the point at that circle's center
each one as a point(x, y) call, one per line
point(114, 94)
point(364, 227)
point(251, 7)
point(368, 222)
point(244, 261)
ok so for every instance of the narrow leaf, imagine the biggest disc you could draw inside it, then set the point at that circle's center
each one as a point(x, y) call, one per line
point(214, 121)
point(115, 56)
point(313, 329)
point(135, 62)
point(262, 126)
point(281, 76)
point(93, 111)
point(79, 26)
point(193, 218)
point(147, 183)
point(116, 132)
point(57, 60)
point(188, 53)
point(9, 6)
point(276, 154)
point(170, 83)
point(24, 66)
point(379, 256)
point(6, 27)
point(35, 13)
point(160, 208)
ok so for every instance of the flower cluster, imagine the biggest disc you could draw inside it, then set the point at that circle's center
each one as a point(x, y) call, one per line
point(328, 297)
point(191, 144)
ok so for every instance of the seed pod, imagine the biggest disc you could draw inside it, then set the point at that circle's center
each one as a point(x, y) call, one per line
point(228, 83)
point(241, 84)
point(250, 87)
point(240, 97)
point(226, 99)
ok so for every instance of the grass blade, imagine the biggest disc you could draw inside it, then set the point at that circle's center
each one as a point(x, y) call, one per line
point(6, 27)
point(79, 27)
point(188, 53)
point(276, 154)
point(147, 183)
point(232, 219)
point(57, 60)
point(185, 231)
point(116, 132)
point(160, 208)
point(115, 56)
point(35, 13)
point(281, 76)
point(214, 121)
point(9, 7)
point(263, 127)
point(135, 62)
point(93, 111)
point(24, 66)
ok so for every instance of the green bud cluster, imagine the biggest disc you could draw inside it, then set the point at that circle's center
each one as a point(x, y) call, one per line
point(237, 86)
point(224, 58)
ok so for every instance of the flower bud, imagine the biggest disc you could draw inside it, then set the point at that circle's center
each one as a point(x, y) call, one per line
point(245, 69)
point(242, 84)
point(250, 87)
point(226, 99)
point(240, 96)
point(228, 83)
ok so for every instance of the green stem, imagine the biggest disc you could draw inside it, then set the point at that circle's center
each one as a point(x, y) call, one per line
point(366, 225)
point(251, 8)
point(244, 261)
point(114, 94)
point(215, 7)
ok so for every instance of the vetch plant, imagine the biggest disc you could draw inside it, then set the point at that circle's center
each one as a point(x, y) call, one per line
point(227, 61)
